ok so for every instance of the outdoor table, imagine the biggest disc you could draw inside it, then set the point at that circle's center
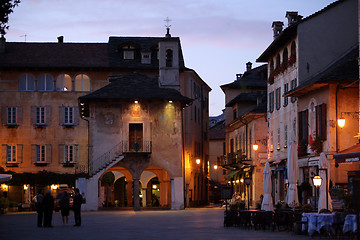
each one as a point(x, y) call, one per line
point(316, 221)
point(350, 223)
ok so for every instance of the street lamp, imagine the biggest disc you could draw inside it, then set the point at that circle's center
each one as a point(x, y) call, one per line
point(247, 181)
point(327, 186)
point(317, 183)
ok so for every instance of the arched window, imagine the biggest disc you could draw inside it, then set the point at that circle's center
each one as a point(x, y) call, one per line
point(63, 83)
point(45, 83)
point(26, 82)
point(169, 58)
point(293, 49)
point(82, 83)
point(285, 55)
point(278, 60)
point(271, 66)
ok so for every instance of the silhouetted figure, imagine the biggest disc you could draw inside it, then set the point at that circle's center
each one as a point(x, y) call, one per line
point(64, 207)
point(77, 207)
point(48, 206)
point(39, 207)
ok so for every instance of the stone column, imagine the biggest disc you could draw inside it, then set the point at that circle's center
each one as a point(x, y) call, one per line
point(136, 195)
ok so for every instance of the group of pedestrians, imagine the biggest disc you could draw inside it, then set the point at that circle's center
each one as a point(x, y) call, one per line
point(45, 207)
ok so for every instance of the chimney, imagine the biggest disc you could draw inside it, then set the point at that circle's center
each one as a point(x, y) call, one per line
point(2, 44)
point(238, 76)
point(292, 17)
point(60, 39)
point(248, 66)
point(277, 27)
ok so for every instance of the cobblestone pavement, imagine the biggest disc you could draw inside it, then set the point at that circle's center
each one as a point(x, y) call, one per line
point(193, 224)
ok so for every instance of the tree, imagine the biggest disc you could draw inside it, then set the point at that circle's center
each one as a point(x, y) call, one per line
point(7, 7)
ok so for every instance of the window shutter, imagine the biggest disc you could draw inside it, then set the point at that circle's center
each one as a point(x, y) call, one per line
point(76, 153)
point(306, 124)
point(33, 115)
point(4, 115)
point(19, 152)
point(48, 153)
point(323, 121)
point(33, 153)
point(61, 115)
point(19, 117)
point(3, 151)
point(47, 115)
point(76, 115)
point(61, 153)
point(300, 126)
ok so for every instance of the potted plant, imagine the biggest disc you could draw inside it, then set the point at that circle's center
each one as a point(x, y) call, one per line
point(316, 146)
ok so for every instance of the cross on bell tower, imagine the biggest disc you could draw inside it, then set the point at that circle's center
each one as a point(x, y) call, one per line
point(167, 20)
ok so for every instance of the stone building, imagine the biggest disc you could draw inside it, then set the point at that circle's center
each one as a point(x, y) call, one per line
point(128, 108)
point(312, 81)
point(245, 117)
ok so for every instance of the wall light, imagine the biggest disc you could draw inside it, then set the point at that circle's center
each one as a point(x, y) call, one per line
point(54, 186)
point(197, 161)
point(341, 122)
point(136, 101)
point(215, 166)
point(170, 101)
point(4, 187)
point(241, 180)
point(255, 147)
point(25, 187)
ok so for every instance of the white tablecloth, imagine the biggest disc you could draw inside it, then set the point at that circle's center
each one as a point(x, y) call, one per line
point(316, 221)
point(350, 223)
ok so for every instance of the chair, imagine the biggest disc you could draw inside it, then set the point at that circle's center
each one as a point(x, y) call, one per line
point(257, 220)
point(245, 219)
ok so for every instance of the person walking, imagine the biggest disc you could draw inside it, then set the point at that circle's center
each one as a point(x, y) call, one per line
point(48, 206)
point(39, 207)
point(77, 207)
point(64, 207)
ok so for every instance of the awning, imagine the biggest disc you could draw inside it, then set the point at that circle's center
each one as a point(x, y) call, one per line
point(5, 177)
point(351, 154)
point(231, 174)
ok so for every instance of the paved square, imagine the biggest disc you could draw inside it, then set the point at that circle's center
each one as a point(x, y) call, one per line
point(200, 223)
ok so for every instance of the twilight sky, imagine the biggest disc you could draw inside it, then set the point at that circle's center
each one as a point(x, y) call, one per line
point(217, 36)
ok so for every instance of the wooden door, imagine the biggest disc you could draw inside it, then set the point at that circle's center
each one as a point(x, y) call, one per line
point(135, 136)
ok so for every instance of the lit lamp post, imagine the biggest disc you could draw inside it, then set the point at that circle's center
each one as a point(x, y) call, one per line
point(327, 186)
point(247, 181)
point(317, 183)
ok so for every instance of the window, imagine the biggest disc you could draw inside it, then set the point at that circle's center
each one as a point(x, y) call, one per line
point(286, 89)
point(128, 52)
point(45, 83)
point(40, 115)
point(285, 55)
point(68, 153)
point(146, 58)
point(69, 116)
point(26, 83)
point(41, 154)
point(271, 101)
point(303, 126)
point(169, 58)
point(63, 83)
point(12, 153)
point(278, 98)
point(271, 66)
point(278, 139)
point(277, 60)
point(293, 85)
point(11, 116)
point(321, 121)
point(285, 136)
point(82, 83)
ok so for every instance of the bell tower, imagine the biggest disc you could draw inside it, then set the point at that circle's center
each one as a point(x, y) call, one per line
point(169, 60)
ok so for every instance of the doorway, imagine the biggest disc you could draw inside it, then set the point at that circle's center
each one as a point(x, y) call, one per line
point(135, 137)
